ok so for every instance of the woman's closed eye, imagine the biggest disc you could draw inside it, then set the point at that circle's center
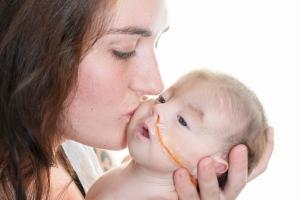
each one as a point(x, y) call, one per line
point(123, 55)
point(182, 121)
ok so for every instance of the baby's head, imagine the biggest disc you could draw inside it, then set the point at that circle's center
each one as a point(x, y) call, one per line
point(202, 114)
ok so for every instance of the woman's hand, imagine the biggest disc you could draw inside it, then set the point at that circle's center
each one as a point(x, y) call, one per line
point(237, 175)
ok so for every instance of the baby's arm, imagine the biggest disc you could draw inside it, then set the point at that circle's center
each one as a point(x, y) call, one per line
point(96, 196)
point(99, 197)
point(99, 191)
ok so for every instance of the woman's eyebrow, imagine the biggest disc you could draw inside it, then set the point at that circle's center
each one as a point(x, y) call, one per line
point(132, 30)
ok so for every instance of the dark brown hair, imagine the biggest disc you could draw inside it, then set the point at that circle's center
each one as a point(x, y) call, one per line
point(41, 44)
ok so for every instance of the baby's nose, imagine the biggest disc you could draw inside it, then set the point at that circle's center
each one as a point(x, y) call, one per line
point(155, 111)
point(150, 107)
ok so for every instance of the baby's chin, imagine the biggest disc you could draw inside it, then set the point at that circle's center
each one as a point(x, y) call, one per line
point(157, 162)
point(157, 167)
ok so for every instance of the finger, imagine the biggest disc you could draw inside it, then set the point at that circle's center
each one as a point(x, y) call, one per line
point(237, 172)
point(263, 163)
point(207, 180)
point(184, 187)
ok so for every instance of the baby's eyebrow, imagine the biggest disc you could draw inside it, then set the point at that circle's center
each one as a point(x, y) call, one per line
point(196, 110)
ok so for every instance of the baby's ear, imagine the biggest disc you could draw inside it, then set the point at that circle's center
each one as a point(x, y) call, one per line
point(220, 164)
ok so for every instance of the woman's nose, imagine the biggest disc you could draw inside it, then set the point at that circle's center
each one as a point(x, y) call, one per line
point(147, 80)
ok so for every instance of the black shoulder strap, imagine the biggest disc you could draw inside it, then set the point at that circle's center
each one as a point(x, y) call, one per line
point(62, 157)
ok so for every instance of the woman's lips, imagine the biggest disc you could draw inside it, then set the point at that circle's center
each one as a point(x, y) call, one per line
point(131, 113)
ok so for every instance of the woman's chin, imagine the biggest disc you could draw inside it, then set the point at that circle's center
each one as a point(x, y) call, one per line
point(122, 146)
point(115, 142)
point(117, 146)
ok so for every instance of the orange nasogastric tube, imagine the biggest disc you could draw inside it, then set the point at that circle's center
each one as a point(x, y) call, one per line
point(169, 151)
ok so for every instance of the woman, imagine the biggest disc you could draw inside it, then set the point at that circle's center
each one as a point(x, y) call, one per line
point(77, 70)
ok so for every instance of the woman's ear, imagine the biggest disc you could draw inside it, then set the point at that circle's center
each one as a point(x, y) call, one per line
point(220, 164)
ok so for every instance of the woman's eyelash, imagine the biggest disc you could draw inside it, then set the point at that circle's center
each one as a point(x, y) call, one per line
point(123, 55)
point(182, 121)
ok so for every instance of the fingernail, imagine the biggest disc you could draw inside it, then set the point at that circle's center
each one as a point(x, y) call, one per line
point(183, 175)
point(206, 162)
point(242, 148)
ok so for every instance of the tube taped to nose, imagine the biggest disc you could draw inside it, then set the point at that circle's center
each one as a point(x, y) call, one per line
point(174, 156)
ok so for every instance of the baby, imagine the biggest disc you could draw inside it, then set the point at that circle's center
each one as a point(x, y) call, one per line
point(202, 114)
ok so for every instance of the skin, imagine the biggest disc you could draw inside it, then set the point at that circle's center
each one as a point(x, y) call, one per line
point(189, 115)
point(237, 175)
point(181, 126)
point(115, 73)
point(113, 76)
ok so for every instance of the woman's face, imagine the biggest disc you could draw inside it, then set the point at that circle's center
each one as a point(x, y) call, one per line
point(115, 73)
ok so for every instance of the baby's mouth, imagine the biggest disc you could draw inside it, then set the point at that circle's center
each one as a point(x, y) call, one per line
point(147, 128)
point(145, 132)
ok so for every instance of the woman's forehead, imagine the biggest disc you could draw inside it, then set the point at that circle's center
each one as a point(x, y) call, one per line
point(150, 15)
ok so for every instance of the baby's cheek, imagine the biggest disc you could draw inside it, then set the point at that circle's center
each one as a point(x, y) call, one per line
point(186, 149)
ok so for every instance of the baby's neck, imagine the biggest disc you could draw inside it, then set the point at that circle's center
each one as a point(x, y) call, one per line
point(149, 181)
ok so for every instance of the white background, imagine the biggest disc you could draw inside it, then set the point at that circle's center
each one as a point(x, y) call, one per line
point(258, 42)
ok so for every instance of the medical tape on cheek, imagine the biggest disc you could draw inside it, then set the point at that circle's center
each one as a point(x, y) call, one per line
point(170, 152)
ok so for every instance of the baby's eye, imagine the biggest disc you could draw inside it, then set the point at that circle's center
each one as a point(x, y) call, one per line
point(161, 99)
point(182, 121)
